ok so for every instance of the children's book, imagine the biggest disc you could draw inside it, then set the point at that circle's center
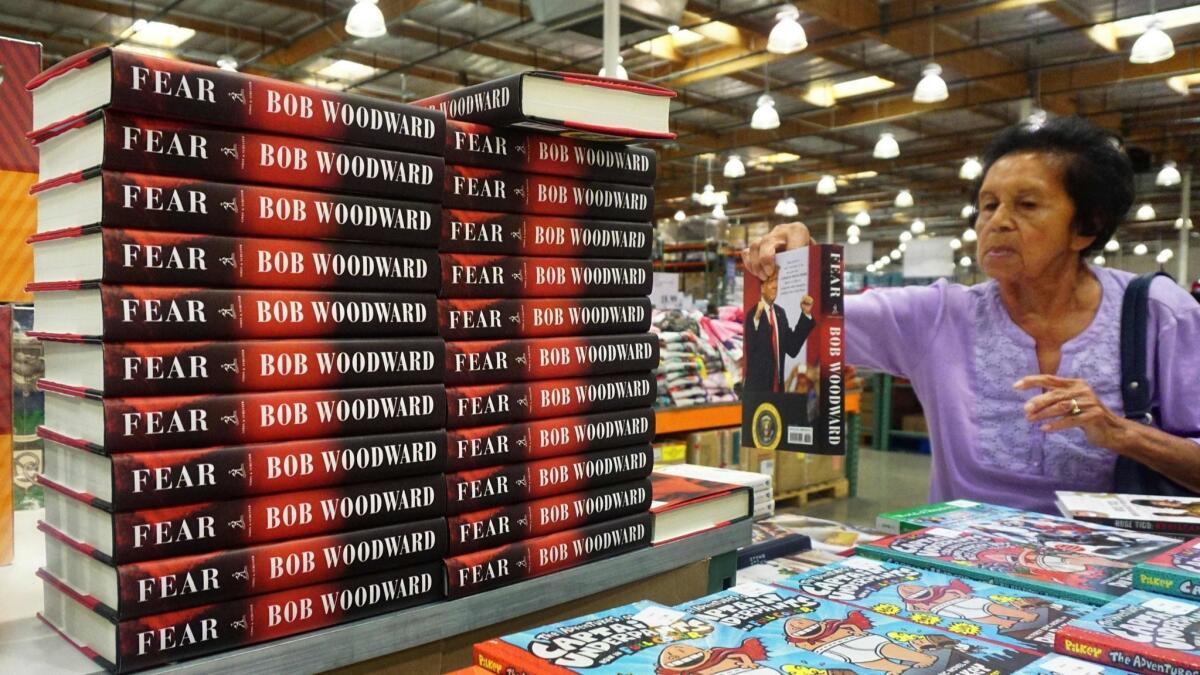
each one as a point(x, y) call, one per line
point(1057, 664)
point(1139, 631)
point(1175, 572)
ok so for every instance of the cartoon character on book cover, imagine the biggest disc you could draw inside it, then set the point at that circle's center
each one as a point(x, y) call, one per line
point(1062, 534)
point(1140, 631)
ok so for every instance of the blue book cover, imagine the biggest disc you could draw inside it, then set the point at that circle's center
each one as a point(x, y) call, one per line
point(1175, 572)
point(1140, 631)
point(1057, 664)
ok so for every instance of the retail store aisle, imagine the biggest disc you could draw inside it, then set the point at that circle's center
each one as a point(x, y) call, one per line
point(886, 481)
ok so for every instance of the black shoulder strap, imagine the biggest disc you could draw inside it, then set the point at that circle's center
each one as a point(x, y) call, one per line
point(1135, 310)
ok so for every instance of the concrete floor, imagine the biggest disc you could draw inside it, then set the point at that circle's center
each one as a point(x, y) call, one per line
point(886, 481)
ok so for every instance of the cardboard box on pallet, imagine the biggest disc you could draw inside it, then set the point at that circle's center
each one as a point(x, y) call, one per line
point(798, 470)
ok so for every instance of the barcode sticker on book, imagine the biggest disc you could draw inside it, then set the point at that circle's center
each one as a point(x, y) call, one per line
point(1168, 606)
point(658, 616)
point(800, 435)
point(1065, 665)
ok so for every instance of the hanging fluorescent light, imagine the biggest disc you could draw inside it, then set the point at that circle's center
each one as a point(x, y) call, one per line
point(895, 254)
point(968, 210)
point(1164, 256)
point(734, 168)
point(821, 94)
point(1112, 246)
point(955, 244)
point(1153, 46)
point(227, 62)
point(787, 37)
point(931, 88)
point(886, 147)
point(905, 236)
point(781, 207)
point(708, 196)
point(918, 226)
point(765, 115)
point(862, 219)
point(969, 235)
point(904, 199)
point(902, 247)
point(1168, 176)
point(1179, 223)
point(1099, 261)
point(871, 268)
point(965, 261)
point(680, 215)
point(853, 231)
point(1141, 249)
point(852, 240)
point(971, 169)
point(621, 72)
point(827, 185)
point(157, 34)
point(1146, 212)
point(365, 20)
point(792, 209)
point(718, 211)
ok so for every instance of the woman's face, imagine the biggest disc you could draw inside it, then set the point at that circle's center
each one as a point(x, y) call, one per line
point(1025, 216)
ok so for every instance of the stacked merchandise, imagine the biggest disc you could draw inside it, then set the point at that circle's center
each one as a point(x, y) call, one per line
point(1164, 514)
point(694, 368)
point(758, 483)
point(546, 272)
point(244, 402)
point(1141, 632)
point(1174, 572)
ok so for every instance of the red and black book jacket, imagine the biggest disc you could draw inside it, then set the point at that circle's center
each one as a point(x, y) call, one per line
point(498, 319)
point(480, 405)
point(515, 149)
point(494, 276)
point(496, 361)
point(163, 638)
point(219, 367)
point(175, 422)
point(489, 233)
point(154, 145)
point(492, 568)
point(161, 313)
point(159, 87)
point(479, 189)
point(141, 480)
point(477, 447)
point(152, 534)
point(139, 201)
point(512, 483)
point(492, 527)
point(170, 584)
point(172, 259)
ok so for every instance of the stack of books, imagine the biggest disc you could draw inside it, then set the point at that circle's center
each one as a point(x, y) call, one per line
point(545, 256)
point(245, 409)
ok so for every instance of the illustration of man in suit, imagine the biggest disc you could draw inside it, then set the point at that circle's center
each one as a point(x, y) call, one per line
point(771, 339)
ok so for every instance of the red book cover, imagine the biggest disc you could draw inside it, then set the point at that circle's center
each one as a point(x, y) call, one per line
point(137, 201)
point(513, 402)
point(479, 189)
point(121, 142)
point(153, 640)
point(494, 319)
point(158, 313)
point(482, 276)
point(151, 534)
point(492, 568)
point(140, 480)
point(148, 85)
point(676, 492)
point(486, 233)
point(512, 483)
point(492, 527)
point(119, 369)
point(515, 149)
point(114, 425)
point(495, 361)
point(157, 586)
point(1140, 632)
point(477, 447)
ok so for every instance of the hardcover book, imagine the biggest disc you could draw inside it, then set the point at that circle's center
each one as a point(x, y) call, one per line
point(1175, 572)
point(139, 480)
point(968, 607)
point(488, 233)
point(162, 314)
point(1179, 516)
point(519, 150)
point(481, 276)
point(114, 425)
point(477, 189)
point(148, 641)
point(95, 255)
point(478, 489)
point(685, 506)
point(504, 319)
point(139, 83)
point(137, 201)
point(478, 447)
point(1070, 575)
point(152, 534)
point(494, 361)
point(138, 589)
point(769, 542)
point(940, 514)
point(580, 106)
point(481, 571)
point(118, 369)
point(1141, 632)
point(792, 398)
point(116, 141)
point(1057, 664)
point(499, 525)
point(518, 401)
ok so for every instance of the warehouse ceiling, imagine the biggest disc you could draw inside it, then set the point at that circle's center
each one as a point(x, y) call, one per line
point(1002, 60)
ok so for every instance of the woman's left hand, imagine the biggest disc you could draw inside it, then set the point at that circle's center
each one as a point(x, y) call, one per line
point(1056, 407)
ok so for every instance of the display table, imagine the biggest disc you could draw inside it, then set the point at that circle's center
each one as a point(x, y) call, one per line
point(30, 648)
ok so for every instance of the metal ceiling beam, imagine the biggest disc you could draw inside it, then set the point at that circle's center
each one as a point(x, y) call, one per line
point(202, 25)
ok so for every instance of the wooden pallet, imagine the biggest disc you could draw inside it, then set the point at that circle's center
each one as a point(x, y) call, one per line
point(837, 489)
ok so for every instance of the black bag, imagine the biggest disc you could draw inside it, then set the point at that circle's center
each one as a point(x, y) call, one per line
point(1131, 477)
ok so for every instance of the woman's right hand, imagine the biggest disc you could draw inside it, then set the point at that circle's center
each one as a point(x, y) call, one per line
point(759, 257)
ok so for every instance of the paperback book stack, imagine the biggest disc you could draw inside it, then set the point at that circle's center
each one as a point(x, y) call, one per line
point(245, 408)
point(546, 273)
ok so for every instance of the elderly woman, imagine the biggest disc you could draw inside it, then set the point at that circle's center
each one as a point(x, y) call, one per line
point(1020, 376)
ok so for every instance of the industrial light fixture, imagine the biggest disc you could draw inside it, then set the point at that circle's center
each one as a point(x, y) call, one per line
point(227, 62)
point(157, 34)
point(1164, 256)
point(971, 169)
point(871, 268)
point(1037, 118)
point(862, 219)
point(895, 254)
point(902, 247)
point(781, 207)
point(904, 199)
point(787, 37)
point(1112, 246)
point(1146, 212)
point(955, 244)
point(680, 215)
point(734, 168)
point(886, 147)
point(968, 210)
point(622, 74)
point(718, 211)
point(965, 261)
point(672, 29)
point(969, 235)
point(852, 240)
point(365, 20)
point(765, 115)
point(1179, 223)
point(792, 209)
point(1168, 176)
point(826, 93)
point(345, 70)
point(1141, 249)
point(905, 236)
point(1153, 46)
point(931, 88)
point(918, 226)
point(1099, 260)
point(827, 185)
point(853, 231)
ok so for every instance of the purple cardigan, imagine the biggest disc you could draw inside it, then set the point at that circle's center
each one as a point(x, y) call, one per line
point(962, 353)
